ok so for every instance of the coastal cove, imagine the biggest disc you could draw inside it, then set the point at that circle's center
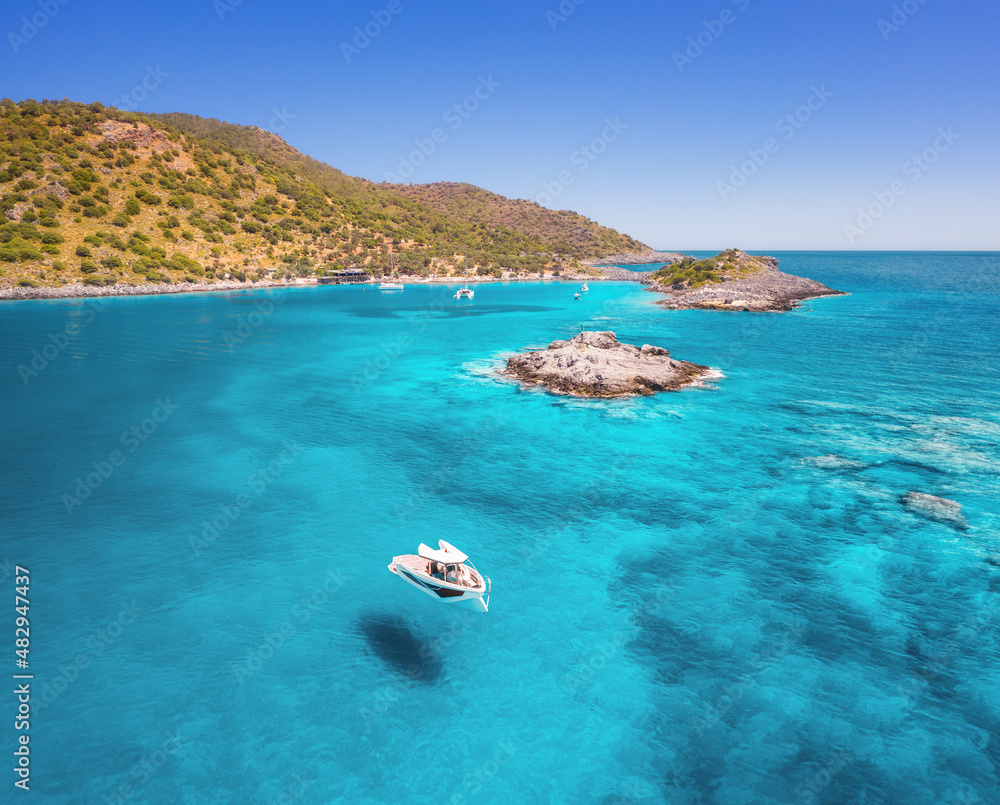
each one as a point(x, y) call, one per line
point(758, 594)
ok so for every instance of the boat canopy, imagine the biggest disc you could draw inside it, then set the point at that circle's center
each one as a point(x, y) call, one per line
point(447, 555)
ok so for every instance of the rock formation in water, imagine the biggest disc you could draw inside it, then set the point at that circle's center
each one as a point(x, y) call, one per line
point(734, 280)
point(597, 364)
point(941, 509)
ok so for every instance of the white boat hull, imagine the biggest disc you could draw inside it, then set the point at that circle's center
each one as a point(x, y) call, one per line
point(410, 569)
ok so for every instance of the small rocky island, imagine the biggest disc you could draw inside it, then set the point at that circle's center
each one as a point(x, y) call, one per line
point(733, 280)
point(597, 364)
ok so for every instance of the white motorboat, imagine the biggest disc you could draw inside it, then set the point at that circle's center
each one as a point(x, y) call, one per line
point(576, 296)
point(584, 289)
point(393, 284)
point(445, 574)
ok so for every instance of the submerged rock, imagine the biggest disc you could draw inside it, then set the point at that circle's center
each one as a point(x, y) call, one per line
point(942, 509)
point(597, 364)
point(831, 461)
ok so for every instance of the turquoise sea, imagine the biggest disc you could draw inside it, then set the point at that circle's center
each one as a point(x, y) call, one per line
point(711, 596)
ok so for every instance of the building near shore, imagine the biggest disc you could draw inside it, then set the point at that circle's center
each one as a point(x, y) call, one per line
point(344, 277)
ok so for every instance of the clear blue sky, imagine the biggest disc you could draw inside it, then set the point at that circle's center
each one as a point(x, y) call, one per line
point(548, 83)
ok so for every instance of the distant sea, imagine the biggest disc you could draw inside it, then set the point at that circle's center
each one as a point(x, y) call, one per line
point(711, 596)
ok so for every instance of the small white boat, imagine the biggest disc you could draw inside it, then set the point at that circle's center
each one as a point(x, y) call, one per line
point(576, 296)
point(466, 292)
point(445, 574)
point(392, 284)
point(584, 289)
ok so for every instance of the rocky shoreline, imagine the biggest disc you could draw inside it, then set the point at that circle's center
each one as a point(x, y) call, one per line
point(748, 284)
point(75, 291)
point(597, 364)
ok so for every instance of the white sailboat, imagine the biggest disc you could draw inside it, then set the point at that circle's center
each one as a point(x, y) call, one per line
point(393, 284)
point(584, 289)
point(465, 292)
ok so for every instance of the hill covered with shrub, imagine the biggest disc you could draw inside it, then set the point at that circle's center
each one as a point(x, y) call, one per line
point(94, 194)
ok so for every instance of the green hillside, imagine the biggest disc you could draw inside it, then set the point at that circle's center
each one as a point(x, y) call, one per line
point(94, 194)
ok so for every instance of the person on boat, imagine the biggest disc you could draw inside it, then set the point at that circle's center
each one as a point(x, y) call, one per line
point(436, 571)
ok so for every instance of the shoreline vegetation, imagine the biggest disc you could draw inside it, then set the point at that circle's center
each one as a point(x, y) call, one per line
point(78, 290)
point(95, 201)
point(732, 280)
point(97, 196)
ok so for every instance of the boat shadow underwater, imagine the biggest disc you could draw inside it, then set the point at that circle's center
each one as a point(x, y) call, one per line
point(398, 647)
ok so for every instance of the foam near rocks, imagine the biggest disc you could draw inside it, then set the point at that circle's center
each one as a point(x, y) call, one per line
point(597, 364)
